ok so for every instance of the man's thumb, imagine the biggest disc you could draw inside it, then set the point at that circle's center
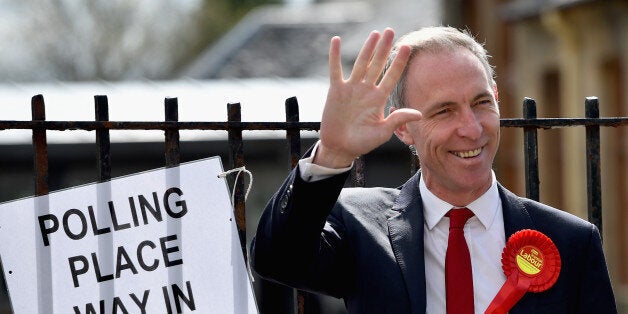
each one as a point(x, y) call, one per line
point(400, 116)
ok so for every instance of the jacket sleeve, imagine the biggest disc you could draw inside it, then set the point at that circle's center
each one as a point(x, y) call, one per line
point(298, 242)
point(596, 291)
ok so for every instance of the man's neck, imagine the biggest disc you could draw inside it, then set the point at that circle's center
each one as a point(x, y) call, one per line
point(458, 197)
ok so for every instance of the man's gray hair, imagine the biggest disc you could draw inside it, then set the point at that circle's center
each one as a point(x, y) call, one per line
point(434, 40)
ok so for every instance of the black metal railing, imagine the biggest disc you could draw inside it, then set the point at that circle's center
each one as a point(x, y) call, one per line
point(234, 126)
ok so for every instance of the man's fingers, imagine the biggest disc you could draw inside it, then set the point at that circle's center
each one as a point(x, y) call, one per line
point(397, 67)
point(378, 61)
point(364, 57)
point(335, 63)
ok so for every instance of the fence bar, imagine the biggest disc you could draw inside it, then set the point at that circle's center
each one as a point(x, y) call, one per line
point(40, 156)
point(548, 123)
point(545, 123)
point(594, 178)
point(156, 125)
point(531, 157)
point(237, 160)
point(172, 150)
point(293, 135)
point(103, 142)
point(38, 109)
point(103, 164)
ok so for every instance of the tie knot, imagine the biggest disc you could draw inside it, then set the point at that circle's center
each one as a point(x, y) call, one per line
point(458, 217)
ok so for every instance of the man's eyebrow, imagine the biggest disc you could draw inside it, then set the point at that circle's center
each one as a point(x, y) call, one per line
point(442, 104)
point(439, 105)
point(482, 95)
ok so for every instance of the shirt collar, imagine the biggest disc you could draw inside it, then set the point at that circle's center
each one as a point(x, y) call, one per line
point(484, 207)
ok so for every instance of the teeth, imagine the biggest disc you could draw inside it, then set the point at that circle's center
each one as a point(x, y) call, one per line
point(468, 154)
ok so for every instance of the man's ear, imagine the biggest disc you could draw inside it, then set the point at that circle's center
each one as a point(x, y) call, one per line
point(402, 132)
point(496, 92)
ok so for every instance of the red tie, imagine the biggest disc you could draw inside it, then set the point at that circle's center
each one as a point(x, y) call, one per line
point(458, 276)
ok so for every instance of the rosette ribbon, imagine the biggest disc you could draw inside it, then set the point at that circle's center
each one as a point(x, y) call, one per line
point(531, 262)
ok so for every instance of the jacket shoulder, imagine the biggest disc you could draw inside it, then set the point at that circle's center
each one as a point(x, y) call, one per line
point(561, 226)
point(367, 201)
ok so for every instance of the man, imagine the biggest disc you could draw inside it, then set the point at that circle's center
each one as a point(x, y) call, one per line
point(384, 250)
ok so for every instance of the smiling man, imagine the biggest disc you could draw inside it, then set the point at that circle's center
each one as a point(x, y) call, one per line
point(433, 245)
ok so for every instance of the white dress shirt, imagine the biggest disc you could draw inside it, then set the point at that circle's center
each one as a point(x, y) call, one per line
point(484, 233)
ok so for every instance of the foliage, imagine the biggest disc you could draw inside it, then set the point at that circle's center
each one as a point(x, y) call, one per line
point(75, 40)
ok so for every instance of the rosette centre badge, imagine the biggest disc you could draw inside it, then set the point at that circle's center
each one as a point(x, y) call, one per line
point(530, 260)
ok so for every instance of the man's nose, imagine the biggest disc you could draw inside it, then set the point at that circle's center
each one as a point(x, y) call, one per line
point(469, 125)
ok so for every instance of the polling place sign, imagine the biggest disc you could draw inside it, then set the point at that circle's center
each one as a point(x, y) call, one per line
point(163, 241)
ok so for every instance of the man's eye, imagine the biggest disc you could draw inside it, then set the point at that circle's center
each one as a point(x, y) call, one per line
point(443, 111)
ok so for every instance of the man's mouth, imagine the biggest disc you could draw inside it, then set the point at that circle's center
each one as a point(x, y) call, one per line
point(468, 153)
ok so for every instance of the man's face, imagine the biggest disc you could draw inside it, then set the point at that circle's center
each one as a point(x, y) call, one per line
point(457, 139)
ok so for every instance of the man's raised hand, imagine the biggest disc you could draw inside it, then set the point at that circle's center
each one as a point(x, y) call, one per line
point(353, 121)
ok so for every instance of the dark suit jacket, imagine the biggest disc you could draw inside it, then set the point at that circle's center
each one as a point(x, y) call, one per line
point(366, 245)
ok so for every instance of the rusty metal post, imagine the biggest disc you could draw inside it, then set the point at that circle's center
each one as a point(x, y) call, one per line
point(103, 142)
point(531, 157)
point(237, 160)
point(305, 300)
point(103, 146)
point(41, 147)
point(43, 256)
point(172, 147)
point(293, 135)
point(594, 177)
point(172, 159)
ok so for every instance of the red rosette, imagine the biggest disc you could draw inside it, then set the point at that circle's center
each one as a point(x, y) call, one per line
point(532, 254)
point(531, 262)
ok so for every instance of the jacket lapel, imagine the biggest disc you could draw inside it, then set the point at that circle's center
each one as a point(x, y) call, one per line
point(405, 229)
point(516, 218)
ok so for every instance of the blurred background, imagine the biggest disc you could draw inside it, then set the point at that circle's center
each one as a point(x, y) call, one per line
point(260, 52)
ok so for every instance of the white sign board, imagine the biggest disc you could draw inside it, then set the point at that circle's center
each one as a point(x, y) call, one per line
point(163, 241)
